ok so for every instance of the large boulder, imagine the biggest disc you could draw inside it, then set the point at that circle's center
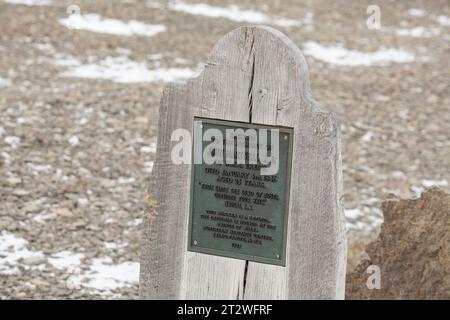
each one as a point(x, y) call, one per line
point(412, 252)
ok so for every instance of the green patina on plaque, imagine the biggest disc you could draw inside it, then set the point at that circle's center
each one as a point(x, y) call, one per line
point(235, 211)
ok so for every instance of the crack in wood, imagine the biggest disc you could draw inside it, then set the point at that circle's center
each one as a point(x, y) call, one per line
point(245, 279)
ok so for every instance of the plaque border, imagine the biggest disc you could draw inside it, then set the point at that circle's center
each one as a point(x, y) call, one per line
point(235, 255)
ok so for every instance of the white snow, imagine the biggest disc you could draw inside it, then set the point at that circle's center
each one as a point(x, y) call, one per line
point(83, 121)
point(67, 260)
point(12, 250)
point(148, 149)
point(135, 222)
point(43, 217)
point(154, 5)
point(148, 166)
point(365, 218)
point(115, 245)
point(124, 70)
point(109, 221)
point(419, 32)
point(123, 51)
point(126, 180)
point(21, 120)
point(39, 167)
point(417, 190)
point(337, 55)
point(429, 183)
point(13, 141)
point(65, 60)
point(154, 56)
point(30, 2)
point(397, 174)
point(105, 276)
point(442, 20)
point(4, 82)
point(181, 61)
point(353, 213)
point(231, 12)
point(367, 137)
point(83, 201)
point(74, 141)
point(95, 23)
point(7, 157)
point(415, 12)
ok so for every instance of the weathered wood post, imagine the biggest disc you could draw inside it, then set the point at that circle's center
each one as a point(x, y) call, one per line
point(258, 76)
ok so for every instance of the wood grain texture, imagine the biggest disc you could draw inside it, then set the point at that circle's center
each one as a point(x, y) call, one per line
point(254, 74)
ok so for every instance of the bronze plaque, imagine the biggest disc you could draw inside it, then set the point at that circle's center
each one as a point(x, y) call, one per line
point(237, 210)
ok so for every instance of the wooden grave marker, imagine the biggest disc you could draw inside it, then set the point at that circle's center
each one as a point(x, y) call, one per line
point(254, 75)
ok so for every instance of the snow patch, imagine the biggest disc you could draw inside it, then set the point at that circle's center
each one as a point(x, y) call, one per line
point(429, 183)
point(233, 12)
point(12, 250)
point(148, 166)
point(74, 141)
point(364, 218)
point(115, 245)
point(65, 60)
point(95, 23)
point(7, 157)
point(149, 149)
point(37, 168)
point(4, 82)
point(154, 56)
point(353, 213)
point(124, 70)
point(13, 141)
point(66, 260)
point(43, 217)
point(135, 222)
point(419, 32)
point(442, 20)
point(367, 137)
point(104, 276)
point(398, 174)
point(126, 180)
point(30, 2)
point(340, 56)
point(415, 12)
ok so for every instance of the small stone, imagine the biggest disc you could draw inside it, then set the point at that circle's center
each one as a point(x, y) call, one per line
point(40, 283)
point(34, 261)
point(432, 98)
point(21, 192)
point(30, 208)
point(14, 181)
point(62, 212)
point(108, 183)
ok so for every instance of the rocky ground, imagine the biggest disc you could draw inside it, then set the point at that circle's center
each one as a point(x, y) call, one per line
point(77, 140)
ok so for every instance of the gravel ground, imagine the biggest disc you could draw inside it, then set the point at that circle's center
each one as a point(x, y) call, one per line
point(75, 153)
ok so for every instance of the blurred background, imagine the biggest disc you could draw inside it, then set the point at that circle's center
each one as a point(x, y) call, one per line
point(80, 83)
